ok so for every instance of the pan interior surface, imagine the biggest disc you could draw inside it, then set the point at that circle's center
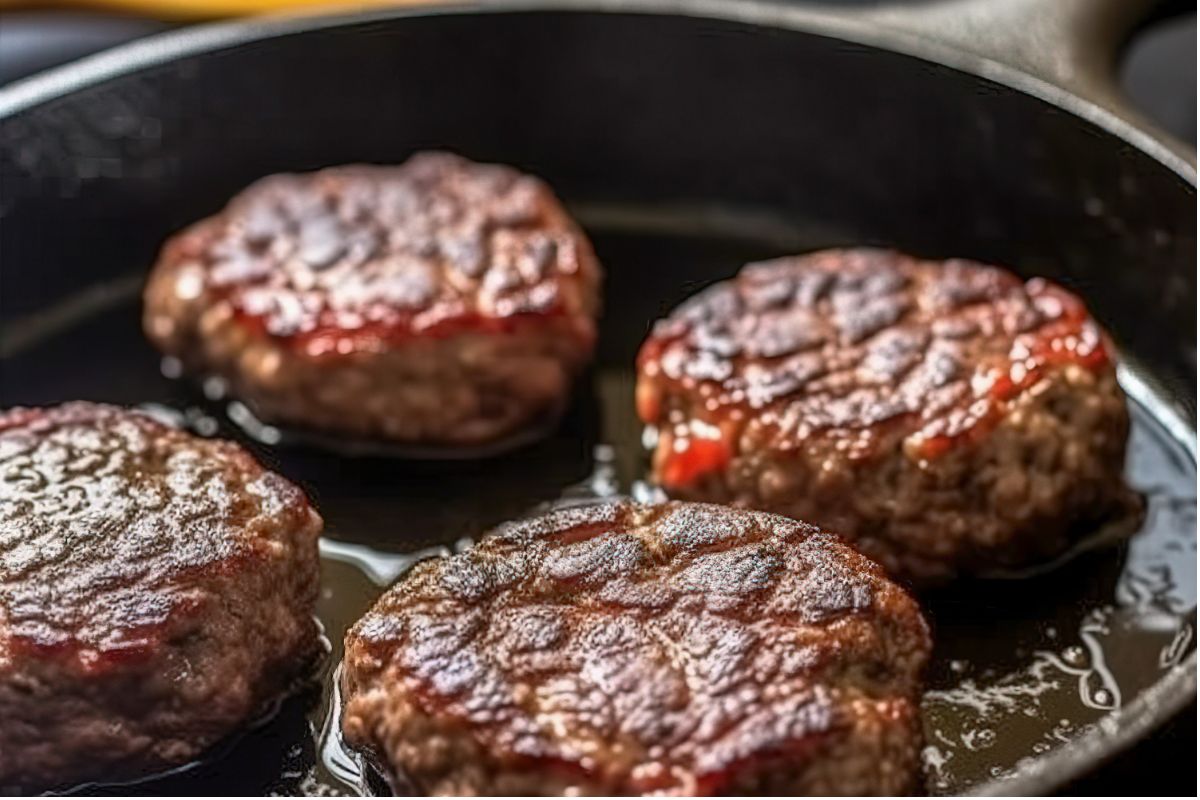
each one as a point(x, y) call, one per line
point(1021, 665)
point(685, 146)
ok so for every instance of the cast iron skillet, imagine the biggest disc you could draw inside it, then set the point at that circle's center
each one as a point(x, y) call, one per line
point(688, 137)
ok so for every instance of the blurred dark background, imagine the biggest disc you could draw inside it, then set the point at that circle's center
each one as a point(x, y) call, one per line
point(1157, 70)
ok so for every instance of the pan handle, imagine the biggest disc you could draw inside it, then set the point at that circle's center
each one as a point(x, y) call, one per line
point(1072, 44)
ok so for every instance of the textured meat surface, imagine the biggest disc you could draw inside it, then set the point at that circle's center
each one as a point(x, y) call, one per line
point(155, 590)
point(845, 344)
point(683, 648)
point(370, 277)
point(910, 405)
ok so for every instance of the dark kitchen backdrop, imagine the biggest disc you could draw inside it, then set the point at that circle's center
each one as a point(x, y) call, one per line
point(1157, 70)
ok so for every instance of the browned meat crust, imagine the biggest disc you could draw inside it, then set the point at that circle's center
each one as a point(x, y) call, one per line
point(155, 591)
point(435, 302)
point(626, 649)
point(944, 416)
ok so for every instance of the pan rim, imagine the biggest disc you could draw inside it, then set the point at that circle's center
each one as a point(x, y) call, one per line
point(161, 48)
point(1113, 733)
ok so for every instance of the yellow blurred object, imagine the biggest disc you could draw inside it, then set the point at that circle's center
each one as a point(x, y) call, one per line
point(208, 9)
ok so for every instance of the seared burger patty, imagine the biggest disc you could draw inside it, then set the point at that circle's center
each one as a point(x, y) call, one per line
point(436, 302)
point(945, 417)
point(626, 649)
point(156, 590)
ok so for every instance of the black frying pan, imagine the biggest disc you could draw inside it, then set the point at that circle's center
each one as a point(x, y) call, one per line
point(688, 136)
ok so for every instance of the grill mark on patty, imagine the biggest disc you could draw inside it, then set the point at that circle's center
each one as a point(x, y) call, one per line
point(861, 339)
point(535, 657)
point(360, 253)
point(104, 513)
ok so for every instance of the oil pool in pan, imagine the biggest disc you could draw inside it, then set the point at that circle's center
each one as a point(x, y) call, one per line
point(1020, 665)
